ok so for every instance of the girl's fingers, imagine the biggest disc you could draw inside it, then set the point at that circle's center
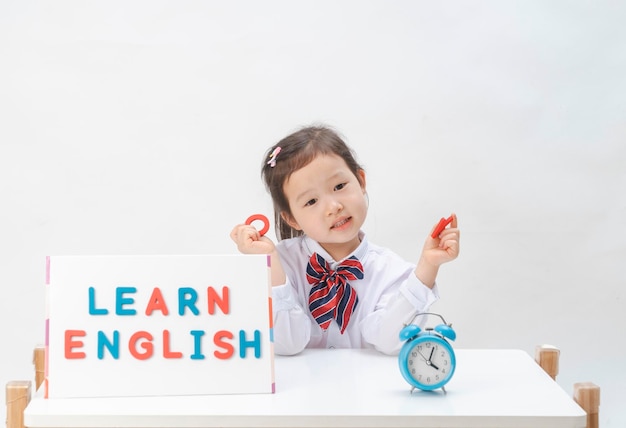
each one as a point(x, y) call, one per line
point(450, 233)
point(454, 223)
point(450, 246)
point(244, 235)
point(443, 225)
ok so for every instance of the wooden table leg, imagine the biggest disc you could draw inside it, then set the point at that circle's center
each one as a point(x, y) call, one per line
point(17, 398)
point(39, 359)
point(547, 356)
point(587, 395)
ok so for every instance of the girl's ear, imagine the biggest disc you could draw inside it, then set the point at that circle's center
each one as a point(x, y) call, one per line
point(288, 218)
point(361, 177)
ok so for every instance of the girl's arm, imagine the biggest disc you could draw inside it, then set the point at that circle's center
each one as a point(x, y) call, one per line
point(436, 252)
point(381, 328)
point(415, 294)
point(291, 324)
point(249, 241)
point(277, 276)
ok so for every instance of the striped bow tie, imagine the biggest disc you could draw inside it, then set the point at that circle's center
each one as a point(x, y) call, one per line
point(331, 297)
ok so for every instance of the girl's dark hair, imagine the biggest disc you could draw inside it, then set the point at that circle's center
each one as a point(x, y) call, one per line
point(296, 151)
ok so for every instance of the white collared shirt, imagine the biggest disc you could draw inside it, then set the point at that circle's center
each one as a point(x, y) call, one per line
point(389, 296)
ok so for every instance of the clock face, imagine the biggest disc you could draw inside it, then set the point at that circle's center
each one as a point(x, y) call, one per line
point(430, 363)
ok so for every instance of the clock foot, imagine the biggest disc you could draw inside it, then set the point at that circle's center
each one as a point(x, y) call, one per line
point(444, 389)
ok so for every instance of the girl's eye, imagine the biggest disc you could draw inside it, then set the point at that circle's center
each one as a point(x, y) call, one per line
point(340, 186)
point(310, 202)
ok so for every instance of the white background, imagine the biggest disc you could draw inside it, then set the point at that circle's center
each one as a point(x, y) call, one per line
point(139, 127)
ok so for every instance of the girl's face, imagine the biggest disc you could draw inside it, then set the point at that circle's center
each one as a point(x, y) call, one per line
point(328, 204)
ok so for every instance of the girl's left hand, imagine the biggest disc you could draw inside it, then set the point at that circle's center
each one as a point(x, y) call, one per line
point(443, 248)
point(438, 251)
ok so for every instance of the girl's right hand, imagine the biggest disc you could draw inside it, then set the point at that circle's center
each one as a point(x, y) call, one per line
point(249, 241)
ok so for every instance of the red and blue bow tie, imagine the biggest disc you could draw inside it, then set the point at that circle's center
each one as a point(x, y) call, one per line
point(332, 297)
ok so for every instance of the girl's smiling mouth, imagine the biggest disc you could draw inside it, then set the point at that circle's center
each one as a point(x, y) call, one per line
point(341, 223)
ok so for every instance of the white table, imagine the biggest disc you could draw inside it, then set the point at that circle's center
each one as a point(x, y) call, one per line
point(344, 388)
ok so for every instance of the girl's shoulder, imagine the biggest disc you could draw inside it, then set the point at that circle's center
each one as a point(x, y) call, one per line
point(383, 255)
point(380, 251)
point(292, 249)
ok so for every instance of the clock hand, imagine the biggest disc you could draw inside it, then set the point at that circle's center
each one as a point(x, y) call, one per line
point(430, 360)
point(422, 355)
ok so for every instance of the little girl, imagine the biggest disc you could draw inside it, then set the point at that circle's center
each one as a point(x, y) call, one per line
point(331, 287)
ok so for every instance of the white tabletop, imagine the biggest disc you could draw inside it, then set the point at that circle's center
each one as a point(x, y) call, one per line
point(344, 388)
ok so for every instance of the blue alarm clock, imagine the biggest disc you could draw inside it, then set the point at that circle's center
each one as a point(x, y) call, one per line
point(427, 359)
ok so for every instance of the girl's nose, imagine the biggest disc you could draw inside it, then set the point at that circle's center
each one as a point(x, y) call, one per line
point(334, 207)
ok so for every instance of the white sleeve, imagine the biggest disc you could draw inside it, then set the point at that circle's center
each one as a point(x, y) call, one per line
point(382, 327)
point(292, 326)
